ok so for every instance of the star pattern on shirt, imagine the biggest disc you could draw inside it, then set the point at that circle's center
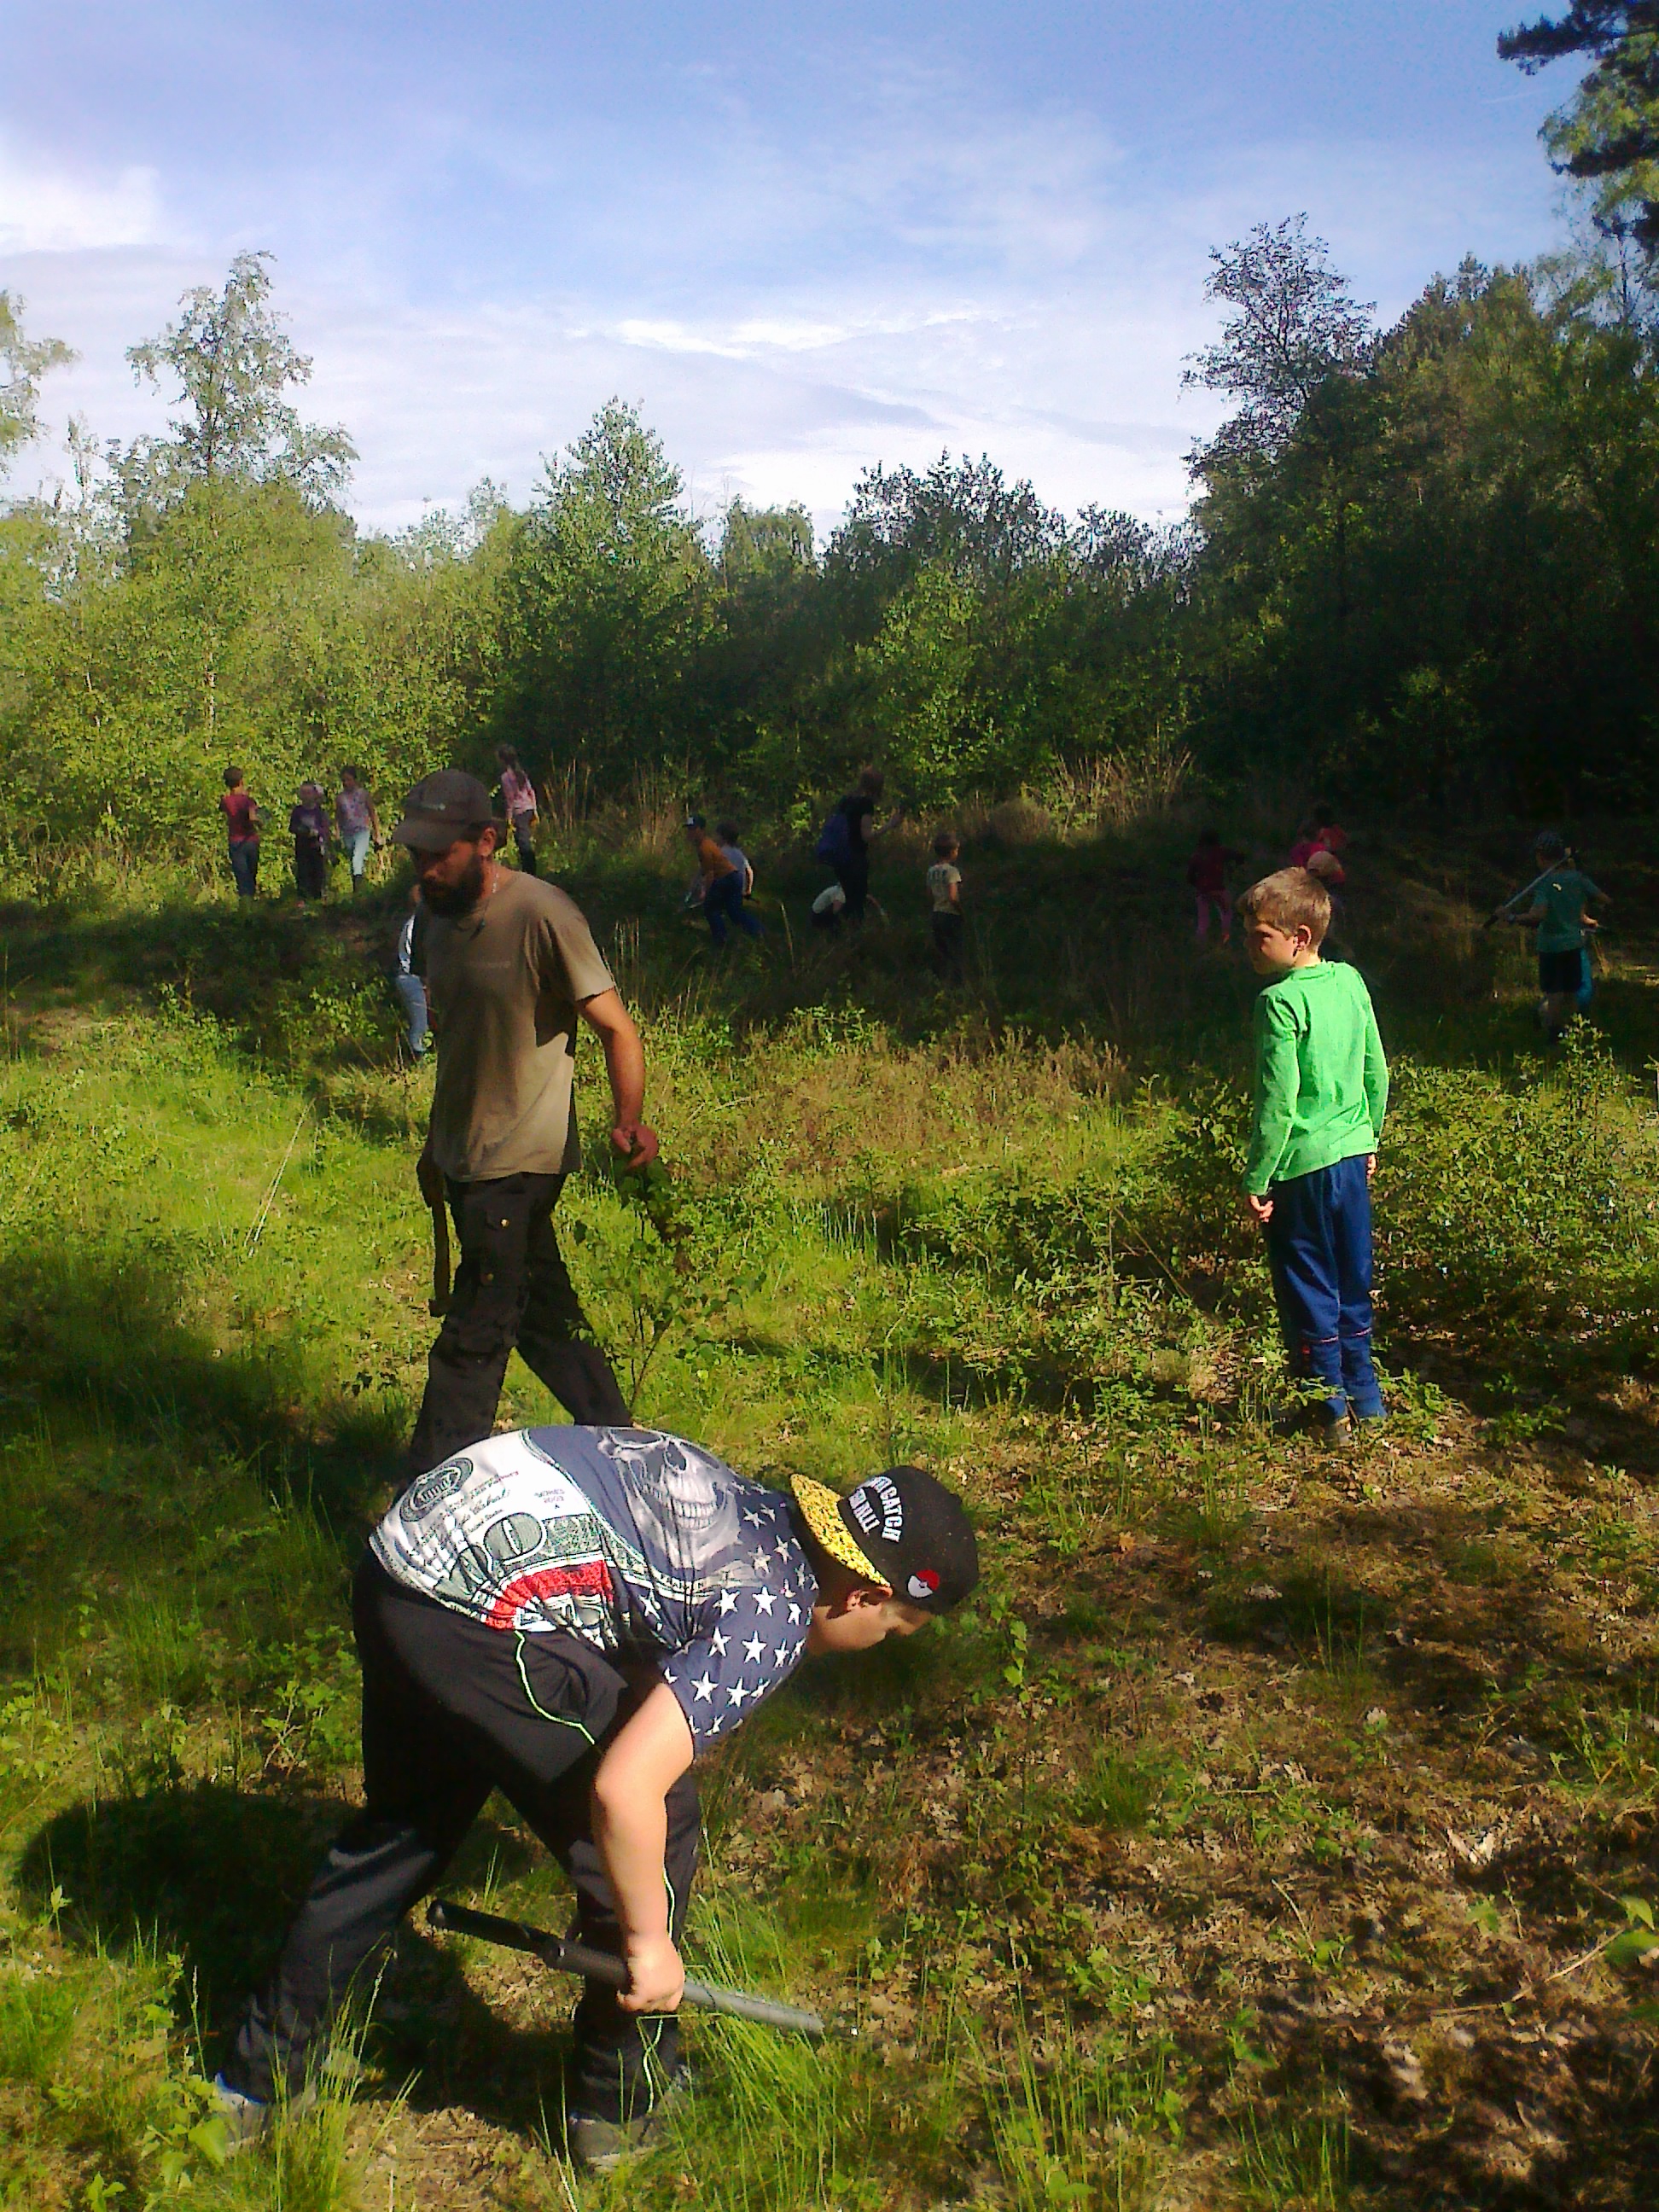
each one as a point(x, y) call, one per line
point(747, 1648)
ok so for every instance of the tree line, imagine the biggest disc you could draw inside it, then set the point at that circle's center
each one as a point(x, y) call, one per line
point(1420, 566)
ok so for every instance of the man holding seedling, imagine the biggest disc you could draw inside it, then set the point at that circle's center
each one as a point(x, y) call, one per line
point(510, 965)
point(571, 1616)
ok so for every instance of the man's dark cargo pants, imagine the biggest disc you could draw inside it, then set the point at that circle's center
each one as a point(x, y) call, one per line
point(451, 1710)
point(511, 1287)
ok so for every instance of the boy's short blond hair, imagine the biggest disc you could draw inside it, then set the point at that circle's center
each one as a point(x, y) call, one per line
point(1294, 898)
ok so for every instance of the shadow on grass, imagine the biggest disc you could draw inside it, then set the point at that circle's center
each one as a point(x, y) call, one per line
point(92, 1333)
point(1531, 2121)
point(213, 1873)
point(1112, 971)
point(209, 1871)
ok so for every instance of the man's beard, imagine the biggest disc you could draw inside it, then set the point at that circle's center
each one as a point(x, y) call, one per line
point(451, 900)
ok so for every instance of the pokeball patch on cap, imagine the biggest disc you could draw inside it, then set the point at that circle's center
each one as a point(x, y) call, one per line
point(924, 1584)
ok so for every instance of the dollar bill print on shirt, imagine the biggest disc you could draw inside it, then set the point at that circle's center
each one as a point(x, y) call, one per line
point(643, 1544)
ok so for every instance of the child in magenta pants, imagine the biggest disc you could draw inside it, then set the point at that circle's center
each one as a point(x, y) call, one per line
point(1207, 872)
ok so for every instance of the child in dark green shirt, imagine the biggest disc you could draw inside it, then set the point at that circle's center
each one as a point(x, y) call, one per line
point(1560, 899)
point(1322, 1089)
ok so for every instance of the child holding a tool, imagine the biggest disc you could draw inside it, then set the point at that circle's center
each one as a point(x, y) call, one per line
point(570, 1615)
point(1558, 900)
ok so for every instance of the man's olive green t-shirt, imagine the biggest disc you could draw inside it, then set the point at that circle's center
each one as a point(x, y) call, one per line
point(1321, 1083)
point(505, 981)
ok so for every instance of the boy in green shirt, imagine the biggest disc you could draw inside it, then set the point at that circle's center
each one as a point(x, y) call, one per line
point(1322, 1089)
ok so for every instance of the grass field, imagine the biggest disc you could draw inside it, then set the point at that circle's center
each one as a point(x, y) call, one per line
point(1274, 1830)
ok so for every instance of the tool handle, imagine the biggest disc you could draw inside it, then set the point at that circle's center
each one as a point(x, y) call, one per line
point(739, 2004)
point(603, 1967)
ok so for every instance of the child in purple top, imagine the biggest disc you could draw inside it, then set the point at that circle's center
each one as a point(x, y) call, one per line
point(358, 822)
point(519, 798)
point(308, 826)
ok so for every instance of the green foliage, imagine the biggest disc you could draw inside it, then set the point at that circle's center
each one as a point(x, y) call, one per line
point(1295, 2161)
point(1423, 563)
point(1085, 2128)
point(1292, 333)
point(603, 606)
point(24, 361)
point(1522, 1203)
point(231, 362)
point(1449, 562)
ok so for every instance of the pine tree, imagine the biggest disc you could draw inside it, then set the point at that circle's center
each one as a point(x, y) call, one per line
point(1609, 137)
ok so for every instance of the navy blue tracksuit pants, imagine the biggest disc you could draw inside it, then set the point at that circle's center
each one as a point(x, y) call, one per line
point(722, 902)
point(1319, 1248)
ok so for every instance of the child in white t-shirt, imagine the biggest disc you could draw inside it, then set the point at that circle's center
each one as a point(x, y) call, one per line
point(944, 889)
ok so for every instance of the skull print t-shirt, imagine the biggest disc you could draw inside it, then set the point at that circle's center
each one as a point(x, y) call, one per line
point(643, 1545)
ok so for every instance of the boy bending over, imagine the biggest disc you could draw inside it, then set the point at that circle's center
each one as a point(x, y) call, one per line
point(1322, 1089)
point(570, 1615)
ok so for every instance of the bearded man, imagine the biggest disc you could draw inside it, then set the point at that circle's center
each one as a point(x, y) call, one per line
point(510, 965)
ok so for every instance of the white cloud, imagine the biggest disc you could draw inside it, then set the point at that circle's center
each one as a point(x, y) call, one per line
point(753, 337)
point(46, 210)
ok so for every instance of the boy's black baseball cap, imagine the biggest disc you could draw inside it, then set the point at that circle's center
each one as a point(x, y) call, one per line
point(904, 1529)
point(442, 807)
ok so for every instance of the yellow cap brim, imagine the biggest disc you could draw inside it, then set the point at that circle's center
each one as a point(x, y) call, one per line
point(820, 1508)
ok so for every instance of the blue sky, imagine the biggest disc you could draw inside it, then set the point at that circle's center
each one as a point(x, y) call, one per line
point(803, 240)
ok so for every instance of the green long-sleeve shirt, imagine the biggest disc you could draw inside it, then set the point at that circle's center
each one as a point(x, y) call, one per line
point(1321, 1084)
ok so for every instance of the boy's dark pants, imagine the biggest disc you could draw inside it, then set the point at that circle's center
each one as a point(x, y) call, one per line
point(948, 930)
point(451, 1710)
point(511, 1287)
point(722, 902)
point(854, 877)
point(1319, 1248)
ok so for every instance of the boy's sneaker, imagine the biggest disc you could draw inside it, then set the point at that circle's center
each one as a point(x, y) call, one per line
point(1333, 1430)
point(1315, 1420)
point(601, 2146)
point(245, 2121)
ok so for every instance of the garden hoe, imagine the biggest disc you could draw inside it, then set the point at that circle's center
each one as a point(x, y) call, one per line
point(600, 1966)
